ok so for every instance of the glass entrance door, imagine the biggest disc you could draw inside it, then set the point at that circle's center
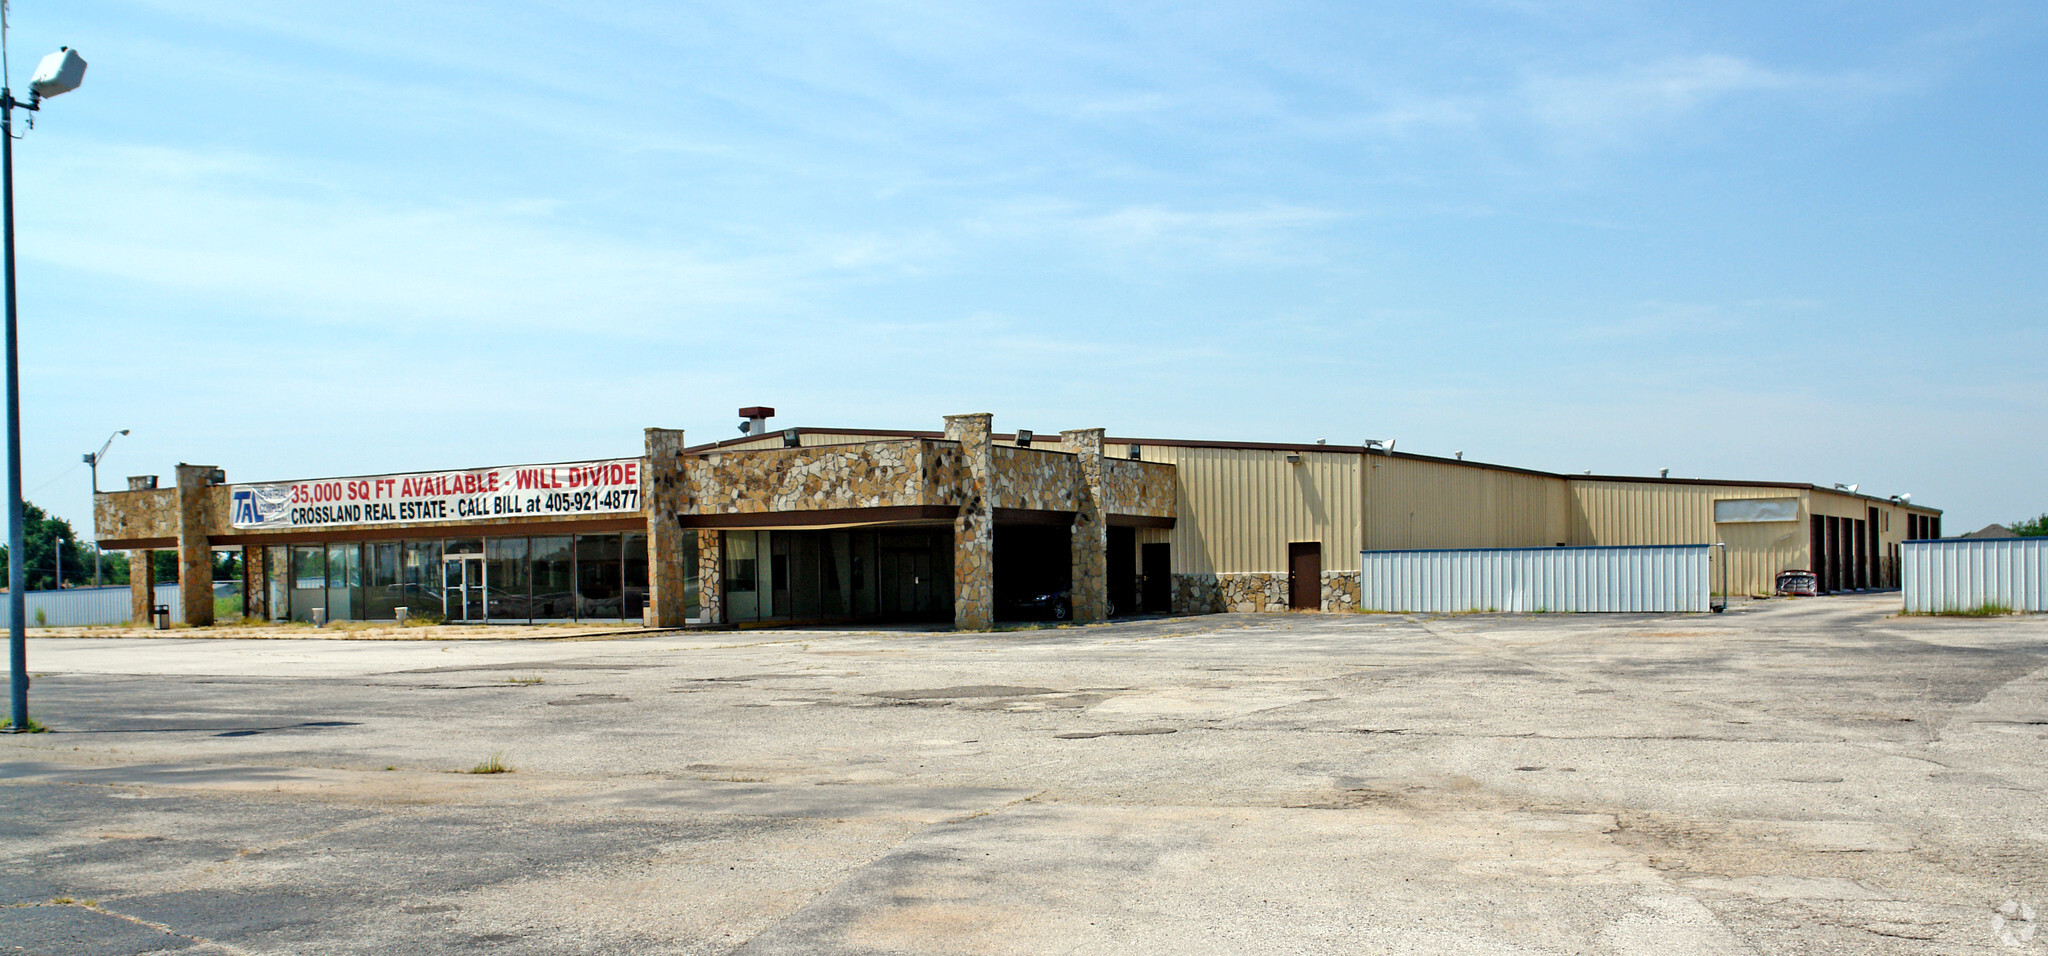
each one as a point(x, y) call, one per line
point(463, 581)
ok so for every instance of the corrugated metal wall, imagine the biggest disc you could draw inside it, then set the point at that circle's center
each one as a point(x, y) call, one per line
point(1413, 503)
point(1961, 575)
point(1239, 507)
point(84, 607)
point(1650, 512)
point(1639, 579)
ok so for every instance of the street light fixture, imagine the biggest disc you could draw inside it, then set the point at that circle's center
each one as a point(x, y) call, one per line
point(92, 460)
point(59, 73)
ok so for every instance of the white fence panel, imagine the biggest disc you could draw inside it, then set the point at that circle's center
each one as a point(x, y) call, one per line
point(83, 607)
point(1662, 578)
point(1963, 574)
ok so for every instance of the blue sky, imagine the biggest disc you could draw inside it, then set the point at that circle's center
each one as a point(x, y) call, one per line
point(1759, 240)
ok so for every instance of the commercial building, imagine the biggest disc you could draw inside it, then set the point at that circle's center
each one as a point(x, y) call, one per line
point(964, 525)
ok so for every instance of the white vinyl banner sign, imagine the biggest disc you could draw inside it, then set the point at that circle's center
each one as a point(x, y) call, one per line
point(572, 490)
point(1734, 510)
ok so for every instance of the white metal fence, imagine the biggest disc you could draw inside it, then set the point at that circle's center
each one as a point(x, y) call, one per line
point(81, 607)
point(1646, 579)
point(1966, 574)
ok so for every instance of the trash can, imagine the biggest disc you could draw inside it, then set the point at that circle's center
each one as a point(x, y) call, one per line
point(160, 617)
point(319, 617)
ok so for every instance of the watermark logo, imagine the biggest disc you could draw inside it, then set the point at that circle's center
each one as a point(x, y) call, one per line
point(2013, 923)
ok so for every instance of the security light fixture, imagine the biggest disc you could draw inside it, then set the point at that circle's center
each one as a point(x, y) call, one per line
point(59, 73)
point(1024, 438)
point(93, 458)
point(1134, 451)
point(1294, 458)
point(1459, 455)
point(790, 439)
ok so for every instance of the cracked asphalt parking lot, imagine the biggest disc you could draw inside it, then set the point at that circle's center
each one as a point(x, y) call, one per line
point(1791, 777)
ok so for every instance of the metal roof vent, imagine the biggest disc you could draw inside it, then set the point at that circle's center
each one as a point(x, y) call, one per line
point(756, 419)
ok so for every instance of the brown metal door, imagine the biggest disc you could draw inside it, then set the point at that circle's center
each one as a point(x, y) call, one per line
point(1305, 575)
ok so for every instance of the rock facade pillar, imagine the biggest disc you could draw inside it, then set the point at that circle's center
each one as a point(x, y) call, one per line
point(141, 586)
point(1090, 587)
point(711, 577)
point(974, 529)
point(195, 553)
point(255, 582)
point(666, 486)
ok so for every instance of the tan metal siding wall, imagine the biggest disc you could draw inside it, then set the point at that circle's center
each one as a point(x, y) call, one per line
point(1238, 508)
point(1428, 504)
point(773, 439)
point(1632, 513)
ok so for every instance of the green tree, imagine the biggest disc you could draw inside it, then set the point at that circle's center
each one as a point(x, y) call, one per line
point(2031, 528)
point(41, 537)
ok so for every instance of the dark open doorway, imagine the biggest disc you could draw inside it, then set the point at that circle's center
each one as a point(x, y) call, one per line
point(1156, 578)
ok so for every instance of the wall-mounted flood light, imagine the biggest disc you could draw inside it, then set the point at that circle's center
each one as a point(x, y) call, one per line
point(790, 439)
point(1294, 458)
point(1024, 438)
point(1134, 451)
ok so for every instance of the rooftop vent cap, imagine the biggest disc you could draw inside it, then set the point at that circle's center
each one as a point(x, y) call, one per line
point(757, 417)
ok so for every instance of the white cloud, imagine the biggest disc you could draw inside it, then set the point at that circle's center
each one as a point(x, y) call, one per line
point(1594, 109)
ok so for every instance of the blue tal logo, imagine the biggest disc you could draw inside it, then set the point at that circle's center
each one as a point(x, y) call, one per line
point(245, 508)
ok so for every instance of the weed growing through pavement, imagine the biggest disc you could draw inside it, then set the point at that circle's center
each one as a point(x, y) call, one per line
point(524, 680)
point(495, 763)
point(1987, 609)
point(34, 726)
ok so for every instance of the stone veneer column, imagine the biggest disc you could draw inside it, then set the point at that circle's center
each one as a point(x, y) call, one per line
point(195, 555)
point(255, 590)
point(711, 576)
point(667, 489)
point(974, 551)
point(141, 586)
point(1091, 533)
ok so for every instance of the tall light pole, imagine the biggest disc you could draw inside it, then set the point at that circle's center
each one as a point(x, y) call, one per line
point(92, 460)
point(59, 73)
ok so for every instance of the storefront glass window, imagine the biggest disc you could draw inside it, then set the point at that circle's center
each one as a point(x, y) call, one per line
point(510, 578)
point(344, 582)
point(600, 582)
point(692, 577)
point(420, 579)
point(742, 576)
point(309, 580)
point(634, 601)
point(553, 561)
point(385, 593)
